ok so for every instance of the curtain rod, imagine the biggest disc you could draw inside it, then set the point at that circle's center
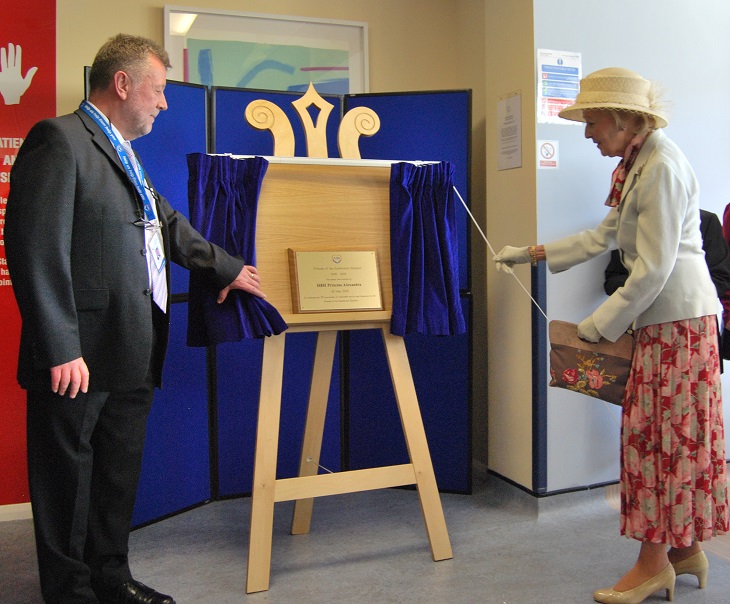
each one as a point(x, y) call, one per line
point(328, 161)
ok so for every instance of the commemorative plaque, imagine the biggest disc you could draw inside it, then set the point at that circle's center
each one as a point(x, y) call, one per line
point(334, 281)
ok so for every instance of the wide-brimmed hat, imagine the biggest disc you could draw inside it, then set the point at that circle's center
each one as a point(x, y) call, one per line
point(615, 88)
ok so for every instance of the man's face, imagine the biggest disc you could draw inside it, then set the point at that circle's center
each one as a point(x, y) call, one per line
point(146, 98)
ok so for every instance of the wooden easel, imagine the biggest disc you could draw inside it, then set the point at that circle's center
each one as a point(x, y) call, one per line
point(310, 204)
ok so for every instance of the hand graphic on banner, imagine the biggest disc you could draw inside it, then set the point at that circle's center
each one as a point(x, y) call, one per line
point(12, 84)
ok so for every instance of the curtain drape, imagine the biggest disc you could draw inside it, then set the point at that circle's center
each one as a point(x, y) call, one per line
point(223, 194)
point(424, 250)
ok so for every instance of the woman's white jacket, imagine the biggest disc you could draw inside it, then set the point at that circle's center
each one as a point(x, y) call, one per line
point(656, 227)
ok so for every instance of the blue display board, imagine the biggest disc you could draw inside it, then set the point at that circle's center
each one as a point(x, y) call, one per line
point(176, 465)
point(428, 126)
point(239, 380)
point(201, 439)
point(238, 383)
point(440, 369)
point(180, 130)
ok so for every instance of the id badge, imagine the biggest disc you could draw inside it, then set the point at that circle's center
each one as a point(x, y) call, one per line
point(157, 251)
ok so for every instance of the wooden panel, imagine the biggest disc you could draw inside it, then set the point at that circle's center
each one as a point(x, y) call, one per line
point(322, 207)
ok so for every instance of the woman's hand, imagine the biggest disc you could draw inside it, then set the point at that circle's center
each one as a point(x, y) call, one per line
point(588, 331)
point(508, 256)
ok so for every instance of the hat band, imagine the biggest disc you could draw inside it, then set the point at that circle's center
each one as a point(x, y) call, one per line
point(630, 101)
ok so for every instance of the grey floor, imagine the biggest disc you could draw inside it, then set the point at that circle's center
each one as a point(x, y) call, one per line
point(371, 547)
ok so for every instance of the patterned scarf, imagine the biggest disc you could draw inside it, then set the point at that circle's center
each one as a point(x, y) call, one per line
point(624, 166)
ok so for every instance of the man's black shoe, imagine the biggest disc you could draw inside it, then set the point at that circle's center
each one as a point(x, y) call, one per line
point(134, 592)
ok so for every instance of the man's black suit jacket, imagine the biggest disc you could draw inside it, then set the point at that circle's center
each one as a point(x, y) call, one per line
point(77, 258)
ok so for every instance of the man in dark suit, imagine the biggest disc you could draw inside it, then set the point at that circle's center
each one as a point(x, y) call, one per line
point(88, 243)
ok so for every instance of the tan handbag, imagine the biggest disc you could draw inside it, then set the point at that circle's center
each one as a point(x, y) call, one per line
point(598, 370)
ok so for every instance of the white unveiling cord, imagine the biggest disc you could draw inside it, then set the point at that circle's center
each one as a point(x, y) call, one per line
point(310, 460)
point(491, 249)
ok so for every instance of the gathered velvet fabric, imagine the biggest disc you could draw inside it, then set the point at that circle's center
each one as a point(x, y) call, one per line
point(424, 250)
point(223, 194)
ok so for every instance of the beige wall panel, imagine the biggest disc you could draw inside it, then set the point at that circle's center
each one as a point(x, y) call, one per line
point(511, 220)
point(412, 43)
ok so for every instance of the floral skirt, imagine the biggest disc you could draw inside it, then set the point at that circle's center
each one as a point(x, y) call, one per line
point(673, 465)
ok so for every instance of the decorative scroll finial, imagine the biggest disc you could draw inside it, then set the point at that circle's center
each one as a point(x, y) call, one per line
point(316, 134)
point(264, 115)
point(360, 121)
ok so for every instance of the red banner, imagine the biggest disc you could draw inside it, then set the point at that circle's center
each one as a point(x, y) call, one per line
point(27, 95)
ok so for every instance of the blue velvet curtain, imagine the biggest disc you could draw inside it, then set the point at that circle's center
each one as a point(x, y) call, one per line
point(223, 194)
point(424, 250)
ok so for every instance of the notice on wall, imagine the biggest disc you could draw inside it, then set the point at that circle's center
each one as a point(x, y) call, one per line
point(558, 83)
point(509, 126)
point(548, 156)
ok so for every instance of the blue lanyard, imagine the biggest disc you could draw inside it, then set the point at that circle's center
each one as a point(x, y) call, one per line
point(105, 125)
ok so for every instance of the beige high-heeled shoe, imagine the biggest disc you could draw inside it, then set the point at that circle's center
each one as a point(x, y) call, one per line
point(696, 565)
point(663, 580)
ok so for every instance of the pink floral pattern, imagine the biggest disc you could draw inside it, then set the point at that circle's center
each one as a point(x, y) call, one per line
point(570, 376)
point(588, 376)
point(673, 464)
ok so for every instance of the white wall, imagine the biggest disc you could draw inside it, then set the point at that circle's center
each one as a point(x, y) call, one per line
point(685, 46)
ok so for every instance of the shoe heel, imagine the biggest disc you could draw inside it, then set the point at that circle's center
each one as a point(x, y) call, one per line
point(671, 584)
point(696, 565)
point(702, 577)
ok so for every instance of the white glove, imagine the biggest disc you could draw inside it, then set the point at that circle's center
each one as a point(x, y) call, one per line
point(508, 256)
point(588, 331)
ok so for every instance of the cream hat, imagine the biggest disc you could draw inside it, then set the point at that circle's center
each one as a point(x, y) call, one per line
point(615, 88)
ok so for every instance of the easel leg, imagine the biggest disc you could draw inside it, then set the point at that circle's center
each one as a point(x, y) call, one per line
point(264, 476)
point(314, 428)
point(410, 413)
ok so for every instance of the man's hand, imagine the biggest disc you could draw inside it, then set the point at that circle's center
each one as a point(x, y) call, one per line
point(70, 377)
point(248, 280)
point(12, 84)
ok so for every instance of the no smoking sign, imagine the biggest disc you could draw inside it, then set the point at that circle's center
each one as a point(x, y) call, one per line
point(547, 154)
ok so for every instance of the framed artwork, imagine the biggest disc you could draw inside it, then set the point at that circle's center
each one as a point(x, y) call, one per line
point(268, 52)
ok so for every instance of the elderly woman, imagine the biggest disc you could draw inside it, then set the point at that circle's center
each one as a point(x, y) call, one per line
point(673, 471)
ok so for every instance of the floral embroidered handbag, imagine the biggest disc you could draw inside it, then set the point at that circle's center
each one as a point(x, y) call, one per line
point(598, 370)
